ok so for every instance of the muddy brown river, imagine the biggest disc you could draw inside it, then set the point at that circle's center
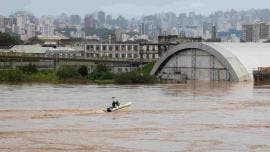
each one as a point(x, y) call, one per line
point(166, 117)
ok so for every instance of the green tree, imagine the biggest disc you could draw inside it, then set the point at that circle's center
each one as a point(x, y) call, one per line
point(134, 78)
point(139, 76)
point(29, 69)
point(101, 72)
point(9, 39)
point(68, 72)
point(14, 75)
point(83, 70)
point(101, 32)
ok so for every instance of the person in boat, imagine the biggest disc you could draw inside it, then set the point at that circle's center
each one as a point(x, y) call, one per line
point(115, 103)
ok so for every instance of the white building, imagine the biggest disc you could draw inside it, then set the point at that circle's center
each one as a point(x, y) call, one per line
point(118, 34)
point(25, 29)
point(93, 38)
point(21, 21)
point(123, 51)
point(21, 25)
point(78, 33)
point(65, 52)
point(30, 30)
point(46, 26)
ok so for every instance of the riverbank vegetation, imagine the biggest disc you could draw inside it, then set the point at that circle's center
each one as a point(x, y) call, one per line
point(139, 76)
point(71, 74)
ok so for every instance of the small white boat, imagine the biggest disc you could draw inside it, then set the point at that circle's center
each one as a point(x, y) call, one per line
point(121, 106)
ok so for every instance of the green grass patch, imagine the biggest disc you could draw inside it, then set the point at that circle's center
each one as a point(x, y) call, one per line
point(77, 75)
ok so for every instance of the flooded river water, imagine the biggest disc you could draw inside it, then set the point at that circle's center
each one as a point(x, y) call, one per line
point(166, 117)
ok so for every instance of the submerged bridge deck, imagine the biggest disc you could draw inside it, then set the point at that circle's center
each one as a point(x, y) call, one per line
point(41, 57)
point(9, 60)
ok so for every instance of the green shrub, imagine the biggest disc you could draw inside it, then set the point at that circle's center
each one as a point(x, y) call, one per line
point(68, 72)
point(83, 70)
point(134, 78)
point(123, 78)
point(101, 72)
point(147, 68)
point(7, 39)
point(139, 76)
point(42, 76)
point(14, 75)
point(101, 68)
point(29, 69)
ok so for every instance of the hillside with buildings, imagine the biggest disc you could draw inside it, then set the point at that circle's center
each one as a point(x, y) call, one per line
point(229, 26)
point(126, 44)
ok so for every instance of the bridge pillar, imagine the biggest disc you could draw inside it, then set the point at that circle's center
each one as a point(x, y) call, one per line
point(55, 64)
point(12, 64)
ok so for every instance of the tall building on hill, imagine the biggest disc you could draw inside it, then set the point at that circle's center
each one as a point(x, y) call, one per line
point(10, 25)
point(255, 32)
point(46, 25)
point(264, 31)
point(88, 21)
point(75, 19)
point(142, 28)
point(109, 19)
point(214, 32)
point(101, 19)
point(2, 24)
point(119, 34)
point(247, 32)
point(21, 26)
point(207, 28)
point(21, 22)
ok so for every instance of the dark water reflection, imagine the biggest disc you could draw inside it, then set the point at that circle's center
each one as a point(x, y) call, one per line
point(169, 117)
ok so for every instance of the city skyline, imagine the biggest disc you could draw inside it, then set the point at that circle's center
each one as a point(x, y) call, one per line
point(126, 8)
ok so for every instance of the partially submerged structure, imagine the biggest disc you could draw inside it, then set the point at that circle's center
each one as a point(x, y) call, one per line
point(213, 61)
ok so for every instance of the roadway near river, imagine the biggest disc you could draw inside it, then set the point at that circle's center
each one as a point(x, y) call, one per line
point(192, 117)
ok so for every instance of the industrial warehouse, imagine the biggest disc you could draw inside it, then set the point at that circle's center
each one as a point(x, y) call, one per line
point(213, 61)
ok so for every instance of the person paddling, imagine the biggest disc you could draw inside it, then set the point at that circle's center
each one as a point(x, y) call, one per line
point(115, 103)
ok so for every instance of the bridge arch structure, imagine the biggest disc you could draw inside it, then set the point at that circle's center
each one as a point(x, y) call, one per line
point(213, 61)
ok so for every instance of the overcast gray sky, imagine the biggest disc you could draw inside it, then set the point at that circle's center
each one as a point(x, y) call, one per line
point(128, 8)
